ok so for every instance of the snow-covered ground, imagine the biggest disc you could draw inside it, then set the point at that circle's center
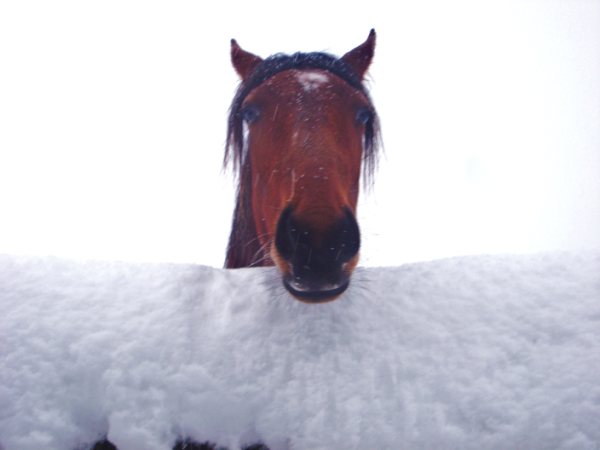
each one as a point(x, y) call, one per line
point(492, 352)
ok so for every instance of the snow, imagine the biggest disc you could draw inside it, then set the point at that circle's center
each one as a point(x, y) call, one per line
point(311, 81)
point(474, 352)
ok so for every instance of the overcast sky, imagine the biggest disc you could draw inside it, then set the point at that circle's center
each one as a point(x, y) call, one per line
point(112, 124)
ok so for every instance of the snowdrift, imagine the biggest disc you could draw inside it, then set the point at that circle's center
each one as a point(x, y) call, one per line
point(478, 352)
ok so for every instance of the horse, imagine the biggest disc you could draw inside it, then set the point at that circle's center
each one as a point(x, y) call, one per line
point(300, 127)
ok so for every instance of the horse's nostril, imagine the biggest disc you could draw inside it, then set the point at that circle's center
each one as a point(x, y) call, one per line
point(347, 237)
point(322, 252)
point(285, 235)
point(319, 261)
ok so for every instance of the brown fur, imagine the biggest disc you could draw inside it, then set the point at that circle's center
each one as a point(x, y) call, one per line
point(305, 150)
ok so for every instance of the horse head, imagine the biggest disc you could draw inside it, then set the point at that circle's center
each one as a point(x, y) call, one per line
point(301, 129)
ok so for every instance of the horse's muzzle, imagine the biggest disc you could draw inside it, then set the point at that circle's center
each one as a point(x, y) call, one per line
point(314, 293)
point(317, 265)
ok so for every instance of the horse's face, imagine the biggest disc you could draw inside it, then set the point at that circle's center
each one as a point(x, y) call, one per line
point(304, 135)
point(305, 144)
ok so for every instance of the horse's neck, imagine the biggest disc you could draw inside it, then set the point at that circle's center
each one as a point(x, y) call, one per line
point(244, 249)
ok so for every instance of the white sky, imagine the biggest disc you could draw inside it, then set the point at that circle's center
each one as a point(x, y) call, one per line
point(112, 124)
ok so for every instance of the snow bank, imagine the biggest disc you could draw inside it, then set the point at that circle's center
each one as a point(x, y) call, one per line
point(478, 352)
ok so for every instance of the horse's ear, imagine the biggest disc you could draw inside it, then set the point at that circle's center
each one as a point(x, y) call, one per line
point(360, 58)
point(244, 62)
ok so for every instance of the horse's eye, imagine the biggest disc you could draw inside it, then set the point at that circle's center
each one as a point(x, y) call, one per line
point(250, 114)
point(363, 116)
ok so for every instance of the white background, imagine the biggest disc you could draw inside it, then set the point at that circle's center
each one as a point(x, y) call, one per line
point(112, 124)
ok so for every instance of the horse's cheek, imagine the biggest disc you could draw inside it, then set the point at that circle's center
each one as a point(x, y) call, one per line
point(266, 204)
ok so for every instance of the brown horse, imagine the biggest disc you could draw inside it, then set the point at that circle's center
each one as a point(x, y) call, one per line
point(300, 126)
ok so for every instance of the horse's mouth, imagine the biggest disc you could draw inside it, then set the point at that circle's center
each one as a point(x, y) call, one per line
point(315, 294)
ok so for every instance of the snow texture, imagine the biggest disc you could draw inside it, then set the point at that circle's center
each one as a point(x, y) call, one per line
point(311, 81)
point(479, 352)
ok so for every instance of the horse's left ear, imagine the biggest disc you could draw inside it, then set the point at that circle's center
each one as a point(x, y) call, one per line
point(244, 62)
point(360, 58)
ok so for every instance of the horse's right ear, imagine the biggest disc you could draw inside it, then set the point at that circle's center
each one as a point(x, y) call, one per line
point(360, 58)
point(244, 62)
